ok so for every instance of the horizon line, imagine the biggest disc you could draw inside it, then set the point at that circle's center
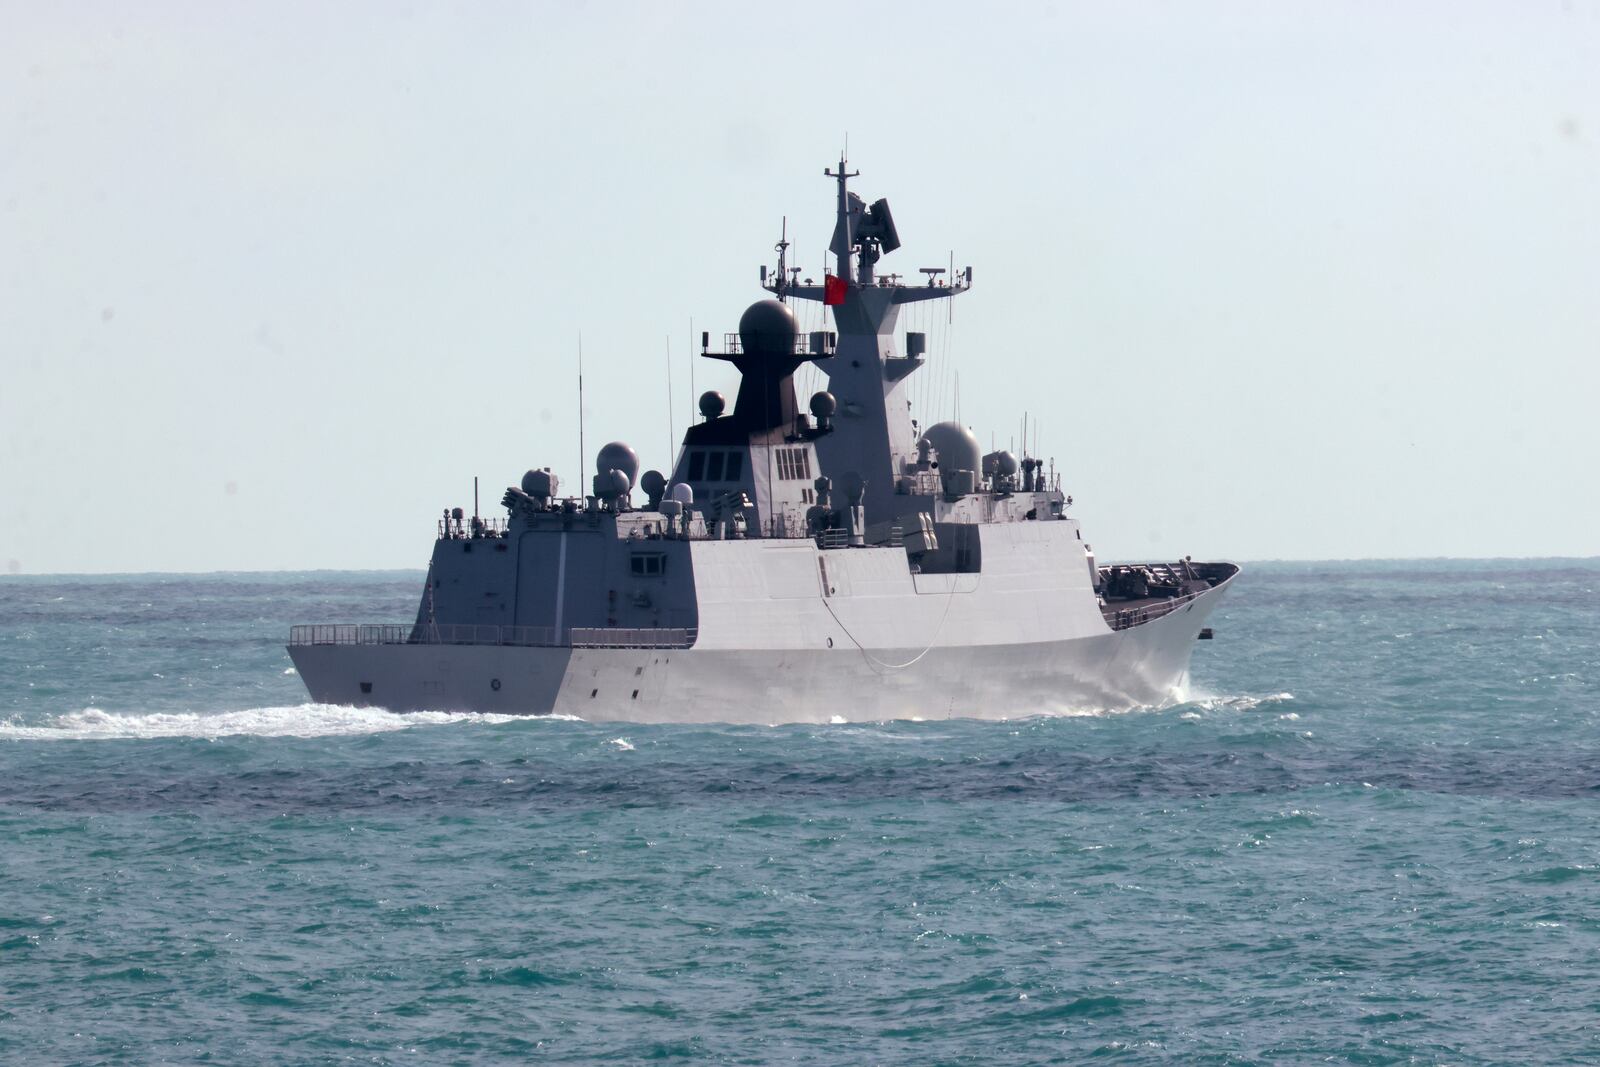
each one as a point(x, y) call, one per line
point(1109, 562)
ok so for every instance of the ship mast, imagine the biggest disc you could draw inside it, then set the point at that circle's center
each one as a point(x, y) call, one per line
point(844, 238)
point(867, 367)
point(783, 263)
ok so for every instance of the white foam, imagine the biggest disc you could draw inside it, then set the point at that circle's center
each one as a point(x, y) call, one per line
point(623, 743)
point(300, 720)
point(1074, 711)
point(1209, 702)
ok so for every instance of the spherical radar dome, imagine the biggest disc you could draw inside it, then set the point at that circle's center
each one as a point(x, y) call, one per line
point(618, 456)
point(957, 447)
point(712, 404)
point(767, 328)
point(1000, 463)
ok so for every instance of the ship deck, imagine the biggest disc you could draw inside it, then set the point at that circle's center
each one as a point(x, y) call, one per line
point(1134, 594)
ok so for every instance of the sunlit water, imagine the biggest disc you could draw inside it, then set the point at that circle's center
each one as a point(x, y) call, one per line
point(1371, 835)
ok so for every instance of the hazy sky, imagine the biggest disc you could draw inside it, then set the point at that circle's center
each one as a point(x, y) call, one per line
point(1275, 280)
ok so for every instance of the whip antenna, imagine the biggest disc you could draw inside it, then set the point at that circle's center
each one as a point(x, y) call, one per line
point(580, 412)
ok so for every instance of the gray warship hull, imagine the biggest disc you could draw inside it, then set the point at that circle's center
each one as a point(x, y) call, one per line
point(1144, 666)
point(875, 642)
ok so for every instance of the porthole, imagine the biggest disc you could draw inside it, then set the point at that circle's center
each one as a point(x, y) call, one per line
point(494, 683)
point(830, 642)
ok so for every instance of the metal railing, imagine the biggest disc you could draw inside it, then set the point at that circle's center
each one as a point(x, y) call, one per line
point(1123, 618)
point(473, 634)
point(462, 531)
point(733, 345)
point(831, 539)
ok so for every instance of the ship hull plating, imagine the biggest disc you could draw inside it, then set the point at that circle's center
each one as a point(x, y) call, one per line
point(1113, 670)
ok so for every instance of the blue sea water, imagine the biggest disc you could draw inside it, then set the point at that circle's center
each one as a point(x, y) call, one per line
point(1371, 836)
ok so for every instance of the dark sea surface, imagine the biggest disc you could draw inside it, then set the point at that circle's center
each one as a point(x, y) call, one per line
point(1371, 836)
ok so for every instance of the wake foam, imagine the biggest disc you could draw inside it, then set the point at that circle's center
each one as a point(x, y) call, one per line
point(300, 720)
point(1211, 702)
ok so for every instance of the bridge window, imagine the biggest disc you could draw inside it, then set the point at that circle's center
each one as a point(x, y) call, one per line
point(735, 466)
point(714, 467)
point(697, 466)
point(794, 464)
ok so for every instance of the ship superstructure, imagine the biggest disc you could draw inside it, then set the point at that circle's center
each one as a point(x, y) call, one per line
point(841, 562)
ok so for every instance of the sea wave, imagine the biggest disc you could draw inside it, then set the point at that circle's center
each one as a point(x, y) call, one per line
point(1236, 702)
point(299, 720)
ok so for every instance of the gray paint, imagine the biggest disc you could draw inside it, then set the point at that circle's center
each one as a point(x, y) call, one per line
point(765, 599)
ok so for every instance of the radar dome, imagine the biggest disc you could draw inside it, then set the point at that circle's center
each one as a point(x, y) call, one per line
point(957, 447)
point(618, 456)
point(712, 404)
point(1003, 464)
point(767, 328)
point(539, 484)
point(653, 483)
point(823, 405)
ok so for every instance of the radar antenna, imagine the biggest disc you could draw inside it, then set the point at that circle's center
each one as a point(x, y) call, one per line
point(783, 262)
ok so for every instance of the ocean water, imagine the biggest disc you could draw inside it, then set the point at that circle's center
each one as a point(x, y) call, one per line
point(1372, 835)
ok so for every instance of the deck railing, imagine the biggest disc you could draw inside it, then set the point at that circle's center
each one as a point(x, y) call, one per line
point(1123, 618)
point(451, 530)
point(471, 634)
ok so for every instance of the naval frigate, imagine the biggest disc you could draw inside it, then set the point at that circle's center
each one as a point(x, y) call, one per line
point(842, 563)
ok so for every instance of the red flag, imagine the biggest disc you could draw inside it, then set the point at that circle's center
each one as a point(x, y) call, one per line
point(833, 290)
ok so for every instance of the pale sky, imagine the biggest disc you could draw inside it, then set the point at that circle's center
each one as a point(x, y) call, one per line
point(1274, 280)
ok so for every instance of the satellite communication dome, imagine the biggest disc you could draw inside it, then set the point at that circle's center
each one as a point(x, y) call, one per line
point(653, 483)
point(618, 456)
point(823, 405)
point(712, 404)
point(957, 447)
point(1002, 464)
point(767, 328)
point(682, 494)
point(616, 482)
